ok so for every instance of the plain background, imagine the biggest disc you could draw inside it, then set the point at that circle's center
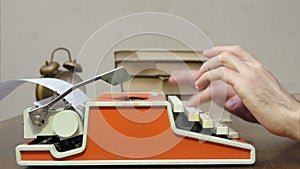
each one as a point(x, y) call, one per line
point(31, 29)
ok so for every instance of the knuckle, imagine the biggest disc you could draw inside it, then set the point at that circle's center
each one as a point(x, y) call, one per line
point(224, 56)
point(205, 66)
point(258, 67)
point(251, 77)
point(237, 48)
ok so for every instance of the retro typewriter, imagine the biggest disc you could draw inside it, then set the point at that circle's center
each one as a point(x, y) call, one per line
point(128, 129)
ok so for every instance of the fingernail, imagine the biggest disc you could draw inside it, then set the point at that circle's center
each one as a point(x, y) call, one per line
point(209, 52)
point(230, 103)
point(197, 87)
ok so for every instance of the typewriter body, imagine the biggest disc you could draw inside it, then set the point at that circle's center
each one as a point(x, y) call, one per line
point(132, 129)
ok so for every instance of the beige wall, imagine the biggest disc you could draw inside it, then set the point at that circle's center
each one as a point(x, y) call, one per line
point(31, 29)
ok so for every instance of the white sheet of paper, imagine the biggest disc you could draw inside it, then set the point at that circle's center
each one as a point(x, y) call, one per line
point(77, 98)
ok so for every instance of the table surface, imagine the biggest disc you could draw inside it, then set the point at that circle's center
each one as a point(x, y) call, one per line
point(271, 151)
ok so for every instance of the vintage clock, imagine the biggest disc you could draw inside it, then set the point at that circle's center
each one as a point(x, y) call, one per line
point(52, 70)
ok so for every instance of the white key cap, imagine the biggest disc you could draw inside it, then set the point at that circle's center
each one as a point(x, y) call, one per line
point(221, 129)
point(233, 134)
point(192, 114)
point(206, 121)
point(176, 104)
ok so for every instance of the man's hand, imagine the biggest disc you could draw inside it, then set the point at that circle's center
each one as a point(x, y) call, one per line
point(218, 91)
point(250, 87)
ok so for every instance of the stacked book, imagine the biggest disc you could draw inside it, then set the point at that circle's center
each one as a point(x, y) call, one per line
point(151, 69)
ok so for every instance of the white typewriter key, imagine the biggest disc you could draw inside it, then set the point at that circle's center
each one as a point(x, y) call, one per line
point(176, 104)
point(192, 114)
point(233, 134)
point(221, 129)
point(65, 123)
point(206, 121)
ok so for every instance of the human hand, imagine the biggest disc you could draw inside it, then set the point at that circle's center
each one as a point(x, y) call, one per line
point(254, 87)
point(218, 91)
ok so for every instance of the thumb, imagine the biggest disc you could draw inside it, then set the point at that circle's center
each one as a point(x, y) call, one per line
point(236, 106)
point(233, 104)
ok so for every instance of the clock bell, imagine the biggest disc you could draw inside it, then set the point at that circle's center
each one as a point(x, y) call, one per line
point(52, 70)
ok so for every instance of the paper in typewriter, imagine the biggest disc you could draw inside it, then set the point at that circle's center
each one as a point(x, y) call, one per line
point(77, 98)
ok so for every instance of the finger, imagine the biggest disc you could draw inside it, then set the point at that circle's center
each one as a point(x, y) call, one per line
point(226, 59)
point(202, 97)
point(237, 50)
point(221, 73)
point(237, 107)
point(218, 91)
point(182, 77)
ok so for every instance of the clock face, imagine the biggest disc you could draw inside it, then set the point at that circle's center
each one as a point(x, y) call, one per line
point(43, 92)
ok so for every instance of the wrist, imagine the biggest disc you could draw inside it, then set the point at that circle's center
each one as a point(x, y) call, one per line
point(293, 123)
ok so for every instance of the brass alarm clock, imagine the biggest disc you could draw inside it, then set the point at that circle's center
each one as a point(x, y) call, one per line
point(51, 70)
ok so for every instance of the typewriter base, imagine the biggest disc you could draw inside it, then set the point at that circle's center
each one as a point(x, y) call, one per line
point(114, 140)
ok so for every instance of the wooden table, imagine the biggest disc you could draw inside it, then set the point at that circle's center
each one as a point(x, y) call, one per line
point(271, 151)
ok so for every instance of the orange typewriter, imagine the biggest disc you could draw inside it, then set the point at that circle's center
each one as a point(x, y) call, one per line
point(129, 129)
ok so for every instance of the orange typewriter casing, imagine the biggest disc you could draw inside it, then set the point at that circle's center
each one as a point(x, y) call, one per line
point(136, 129)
